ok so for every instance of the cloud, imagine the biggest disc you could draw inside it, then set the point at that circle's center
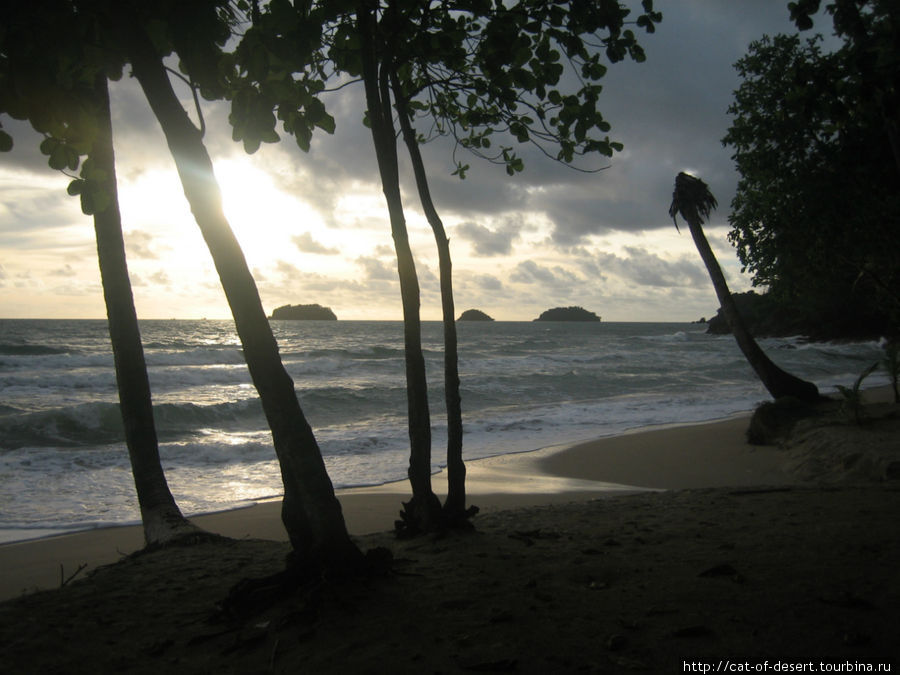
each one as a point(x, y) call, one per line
point(670, 113)
point(160, 278)
point(487, 282)
point(529, 272)
point(649, 269)
point(385, 251)
point(142, 245)
point(377, 270)
point(307, 244)
point(65, 271)
point(486, 242)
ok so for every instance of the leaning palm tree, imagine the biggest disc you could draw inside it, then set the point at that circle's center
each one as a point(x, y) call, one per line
point(161, 517)
point(310, 510)
point(60, 86)
point(693, 200)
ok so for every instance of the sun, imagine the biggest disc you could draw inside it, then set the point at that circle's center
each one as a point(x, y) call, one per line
point(264, 218)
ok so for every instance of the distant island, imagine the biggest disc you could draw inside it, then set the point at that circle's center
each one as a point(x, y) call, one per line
point(568, 314)
point(303, 313)
point(474, 315)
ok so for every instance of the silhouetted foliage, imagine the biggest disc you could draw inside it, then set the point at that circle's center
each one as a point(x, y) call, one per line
point(815, 215)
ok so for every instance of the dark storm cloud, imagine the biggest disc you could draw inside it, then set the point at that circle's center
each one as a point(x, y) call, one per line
point(670, 113)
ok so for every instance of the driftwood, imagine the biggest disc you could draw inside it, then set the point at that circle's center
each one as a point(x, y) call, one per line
point(63, 580)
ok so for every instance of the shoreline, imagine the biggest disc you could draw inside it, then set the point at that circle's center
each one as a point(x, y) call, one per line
point(690, 456)
point(535, 478)
point(783, 566)
point(398, 486)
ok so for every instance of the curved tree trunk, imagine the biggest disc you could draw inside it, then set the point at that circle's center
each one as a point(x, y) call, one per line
point(455, 504)
point(423, 511)
point(778, 382)
point(310, 511)
point(160, 515)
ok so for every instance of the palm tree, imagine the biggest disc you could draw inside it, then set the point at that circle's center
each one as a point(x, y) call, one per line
point(310, 510)
point(161, 517)
point(693, 200)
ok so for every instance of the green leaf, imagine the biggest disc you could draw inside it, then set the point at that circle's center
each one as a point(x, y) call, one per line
point(94, 201)
point(75, 187)
point(59, 158)
point(87, 204)
point(6, 141)
point(461, 170)
point(251, 145)
point(326, 123)
point(48, 145)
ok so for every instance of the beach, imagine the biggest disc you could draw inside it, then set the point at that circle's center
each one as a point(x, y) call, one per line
point(646, 551)
point(548, 476)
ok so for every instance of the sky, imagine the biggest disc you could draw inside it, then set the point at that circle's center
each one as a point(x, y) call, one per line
point(314, 226)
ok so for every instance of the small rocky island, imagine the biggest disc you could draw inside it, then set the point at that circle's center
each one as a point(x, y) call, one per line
point(474, 315)
point(568, 314)
point(303, 313)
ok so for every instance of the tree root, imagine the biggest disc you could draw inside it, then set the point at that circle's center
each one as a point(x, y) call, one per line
point(431, 518)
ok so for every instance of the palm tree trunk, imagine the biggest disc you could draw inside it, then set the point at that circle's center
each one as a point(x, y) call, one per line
point(455, 504)
point(160, 515)
point(310, 511)
point(778, 382)
point(423, 511)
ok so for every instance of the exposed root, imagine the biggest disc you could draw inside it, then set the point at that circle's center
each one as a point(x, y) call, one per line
point(430, 518)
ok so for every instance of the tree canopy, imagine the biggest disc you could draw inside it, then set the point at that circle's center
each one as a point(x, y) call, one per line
point(815, 213)
point(487, 74)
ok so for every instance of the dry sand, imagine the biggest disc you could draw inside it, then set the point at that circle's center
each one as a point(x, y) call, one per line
point(572, 568)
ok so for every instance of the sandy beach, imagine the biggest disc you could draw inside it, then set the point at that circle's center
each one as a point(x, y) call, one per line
point(603, 468)
point(641, 552)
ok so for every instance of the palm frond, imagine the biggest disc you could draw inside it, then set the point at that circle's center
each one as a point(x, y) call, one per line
point(692, 199)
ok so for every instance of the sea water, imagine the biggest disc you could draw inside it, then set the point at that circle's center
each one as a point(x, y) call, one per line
point(525, 385)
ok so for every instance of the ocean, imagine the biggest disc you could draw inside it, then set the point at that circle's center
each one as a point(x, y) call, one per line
point(525, 385)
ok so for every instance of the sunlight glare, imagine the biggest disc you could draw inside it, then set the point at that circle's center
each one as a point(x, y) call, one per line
point(263, 217)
